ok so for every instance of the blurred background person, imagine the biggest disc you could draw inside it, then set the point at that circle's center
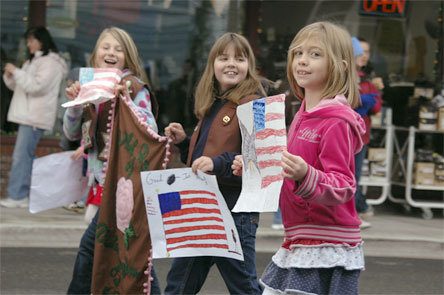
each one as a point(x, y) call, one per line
point(371, 103)
point(33, 106)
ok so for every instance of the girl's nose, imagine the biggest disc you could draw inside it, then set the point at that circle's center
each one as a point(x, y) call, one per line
point(302, 60)
point(231, 62)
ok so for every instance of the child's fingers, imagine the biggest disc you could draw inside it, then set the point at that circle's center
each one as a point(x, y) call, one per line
point(236, 167)
point(198, 164)
point(288, 163)
point(73, 90)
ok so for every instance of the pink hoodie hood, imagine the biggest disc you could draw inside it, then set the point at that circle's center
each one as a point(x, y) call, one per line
point(334, 108)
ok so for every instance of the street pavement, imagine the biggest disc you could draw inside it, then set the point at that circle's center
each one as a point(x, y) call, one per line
point(394, 233)
point(48, 271)
point(404, 253)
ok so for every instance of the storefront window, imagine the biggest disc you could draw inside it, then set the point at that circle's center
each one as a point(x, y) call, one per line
point(173, 39)
point(404, 45)
point(14, 17)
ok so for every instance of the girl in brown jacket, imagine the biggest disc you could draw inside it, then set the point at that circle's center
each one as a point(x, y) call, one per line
point(229, 80)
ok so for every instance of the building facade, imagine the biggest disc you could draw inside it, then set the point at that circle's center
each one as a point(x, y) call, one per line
point(174, 36)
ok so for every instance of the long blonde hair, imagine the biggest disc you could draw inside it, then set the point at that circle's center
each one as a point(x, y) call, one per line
point(342, 78)
point(207, 88)
point(132, 59)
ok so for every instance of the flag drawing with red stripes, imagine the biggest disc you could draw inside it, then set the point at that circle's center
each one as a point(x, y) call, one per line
point(264, 138)
point(96, 85)
point(187, 215)
point(270, 139)
point(192, 219)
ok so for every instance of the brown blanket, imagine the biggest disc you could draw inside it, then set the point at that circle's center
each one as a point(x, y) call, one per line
point(123, 244)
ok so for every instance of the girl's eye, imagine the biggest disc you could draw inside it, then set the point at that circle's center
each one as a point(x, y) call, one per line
point(298, 53)
point(315, 54)
point(222, 58)
point(240, 59)
point(118, 49)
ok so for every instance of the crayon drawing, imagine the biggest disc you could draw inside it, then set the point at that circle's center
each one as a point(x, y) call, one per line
point(262, 125)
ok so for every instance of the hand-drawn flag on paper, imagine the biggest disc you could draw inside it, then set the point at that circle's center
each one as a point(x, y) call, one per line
point(192, 219)
point(188, 216)
point(96, 85)
point(264, 138)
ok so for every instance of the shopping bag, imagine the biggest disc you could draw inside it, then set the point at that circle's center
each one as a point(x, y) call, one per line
point(56, 181)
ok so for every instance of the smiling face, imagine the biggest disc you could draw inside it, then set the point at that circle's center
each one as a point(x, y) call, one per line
point(33, 44)
point(310, 66)
point(230, 69)
point(110, 54)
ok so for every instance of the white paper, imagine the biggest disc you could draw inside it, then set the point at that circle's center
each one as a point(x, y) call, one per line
point(262, 124)
point(187, 215)
point(56, 181)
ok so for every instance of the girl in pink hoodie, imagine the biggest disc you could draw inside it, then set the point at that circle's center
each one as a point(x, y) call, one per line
point(322, 250)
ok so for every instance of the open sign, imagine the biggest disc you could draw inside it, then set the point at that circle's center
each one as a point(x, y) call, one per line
point(390, 8)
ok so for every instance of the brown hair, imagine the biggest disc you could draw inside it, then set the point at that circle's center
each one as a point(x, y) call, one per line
point(343, 78)
point(207, 87)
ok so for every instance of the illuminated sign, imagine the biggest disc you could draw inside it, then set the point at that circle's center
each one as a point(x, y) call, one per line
point(390, 8)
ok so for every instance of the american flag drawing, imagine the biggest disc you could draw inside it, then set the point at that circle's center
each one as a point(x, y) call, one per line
point(97, 85)
point(264, 138)
point(192, 219)
point(265, 144)
point(187, 215)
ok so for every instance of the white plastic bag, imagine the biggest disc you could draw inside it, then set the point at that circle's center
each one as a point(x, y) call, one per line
point(56, 181)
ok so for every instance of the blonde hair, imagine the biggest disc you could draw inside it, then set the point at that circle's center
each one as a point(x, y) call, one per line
point(342, 77)
point(208, 86)
point(132, 59)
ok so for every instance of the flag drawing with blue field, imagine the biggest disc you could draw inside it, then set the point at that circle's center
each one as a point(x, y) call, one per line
point(192, 219)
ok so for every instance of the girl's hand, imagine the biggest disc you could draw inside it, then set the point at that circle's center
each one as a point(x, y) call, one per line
point(379, 84)
point(176, 132)
point(204, 164)
point(78, 153)
point(294, 167)
point(9, 69)
point(237, 165)
point(118, 89)
point(73, 91)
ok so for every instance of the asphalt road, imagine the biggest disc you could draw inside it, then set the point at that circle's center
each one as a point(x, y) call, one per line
point(48, 271)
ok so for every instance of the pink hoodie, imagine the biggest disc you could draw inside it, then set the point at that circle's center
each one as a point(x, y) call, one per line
point(321, 206)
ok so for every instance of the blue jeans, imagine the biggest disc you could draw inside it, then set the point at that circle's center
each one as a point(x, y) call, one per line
point(24, 150)
point(83, 266)
point(277, 217)
point(360, 200)
point(188, 274)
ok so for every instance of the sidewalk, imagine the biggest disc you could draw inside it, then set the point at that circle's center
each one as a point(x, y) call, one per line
point(393, 232)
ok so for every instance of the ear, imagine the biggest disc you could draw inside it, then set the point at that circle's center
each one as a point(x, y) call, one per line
point(345, 63)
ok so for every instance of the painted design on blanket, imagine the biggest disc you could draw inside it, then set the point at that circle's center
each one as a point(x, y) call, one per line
point(124, 209)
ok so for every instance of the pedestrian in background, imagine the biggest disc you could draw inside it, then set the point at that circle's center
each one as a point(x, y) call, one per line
point(322, 251)
point(371, 103)
point(229, 80)
point(115, 49)
point(33, 106)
